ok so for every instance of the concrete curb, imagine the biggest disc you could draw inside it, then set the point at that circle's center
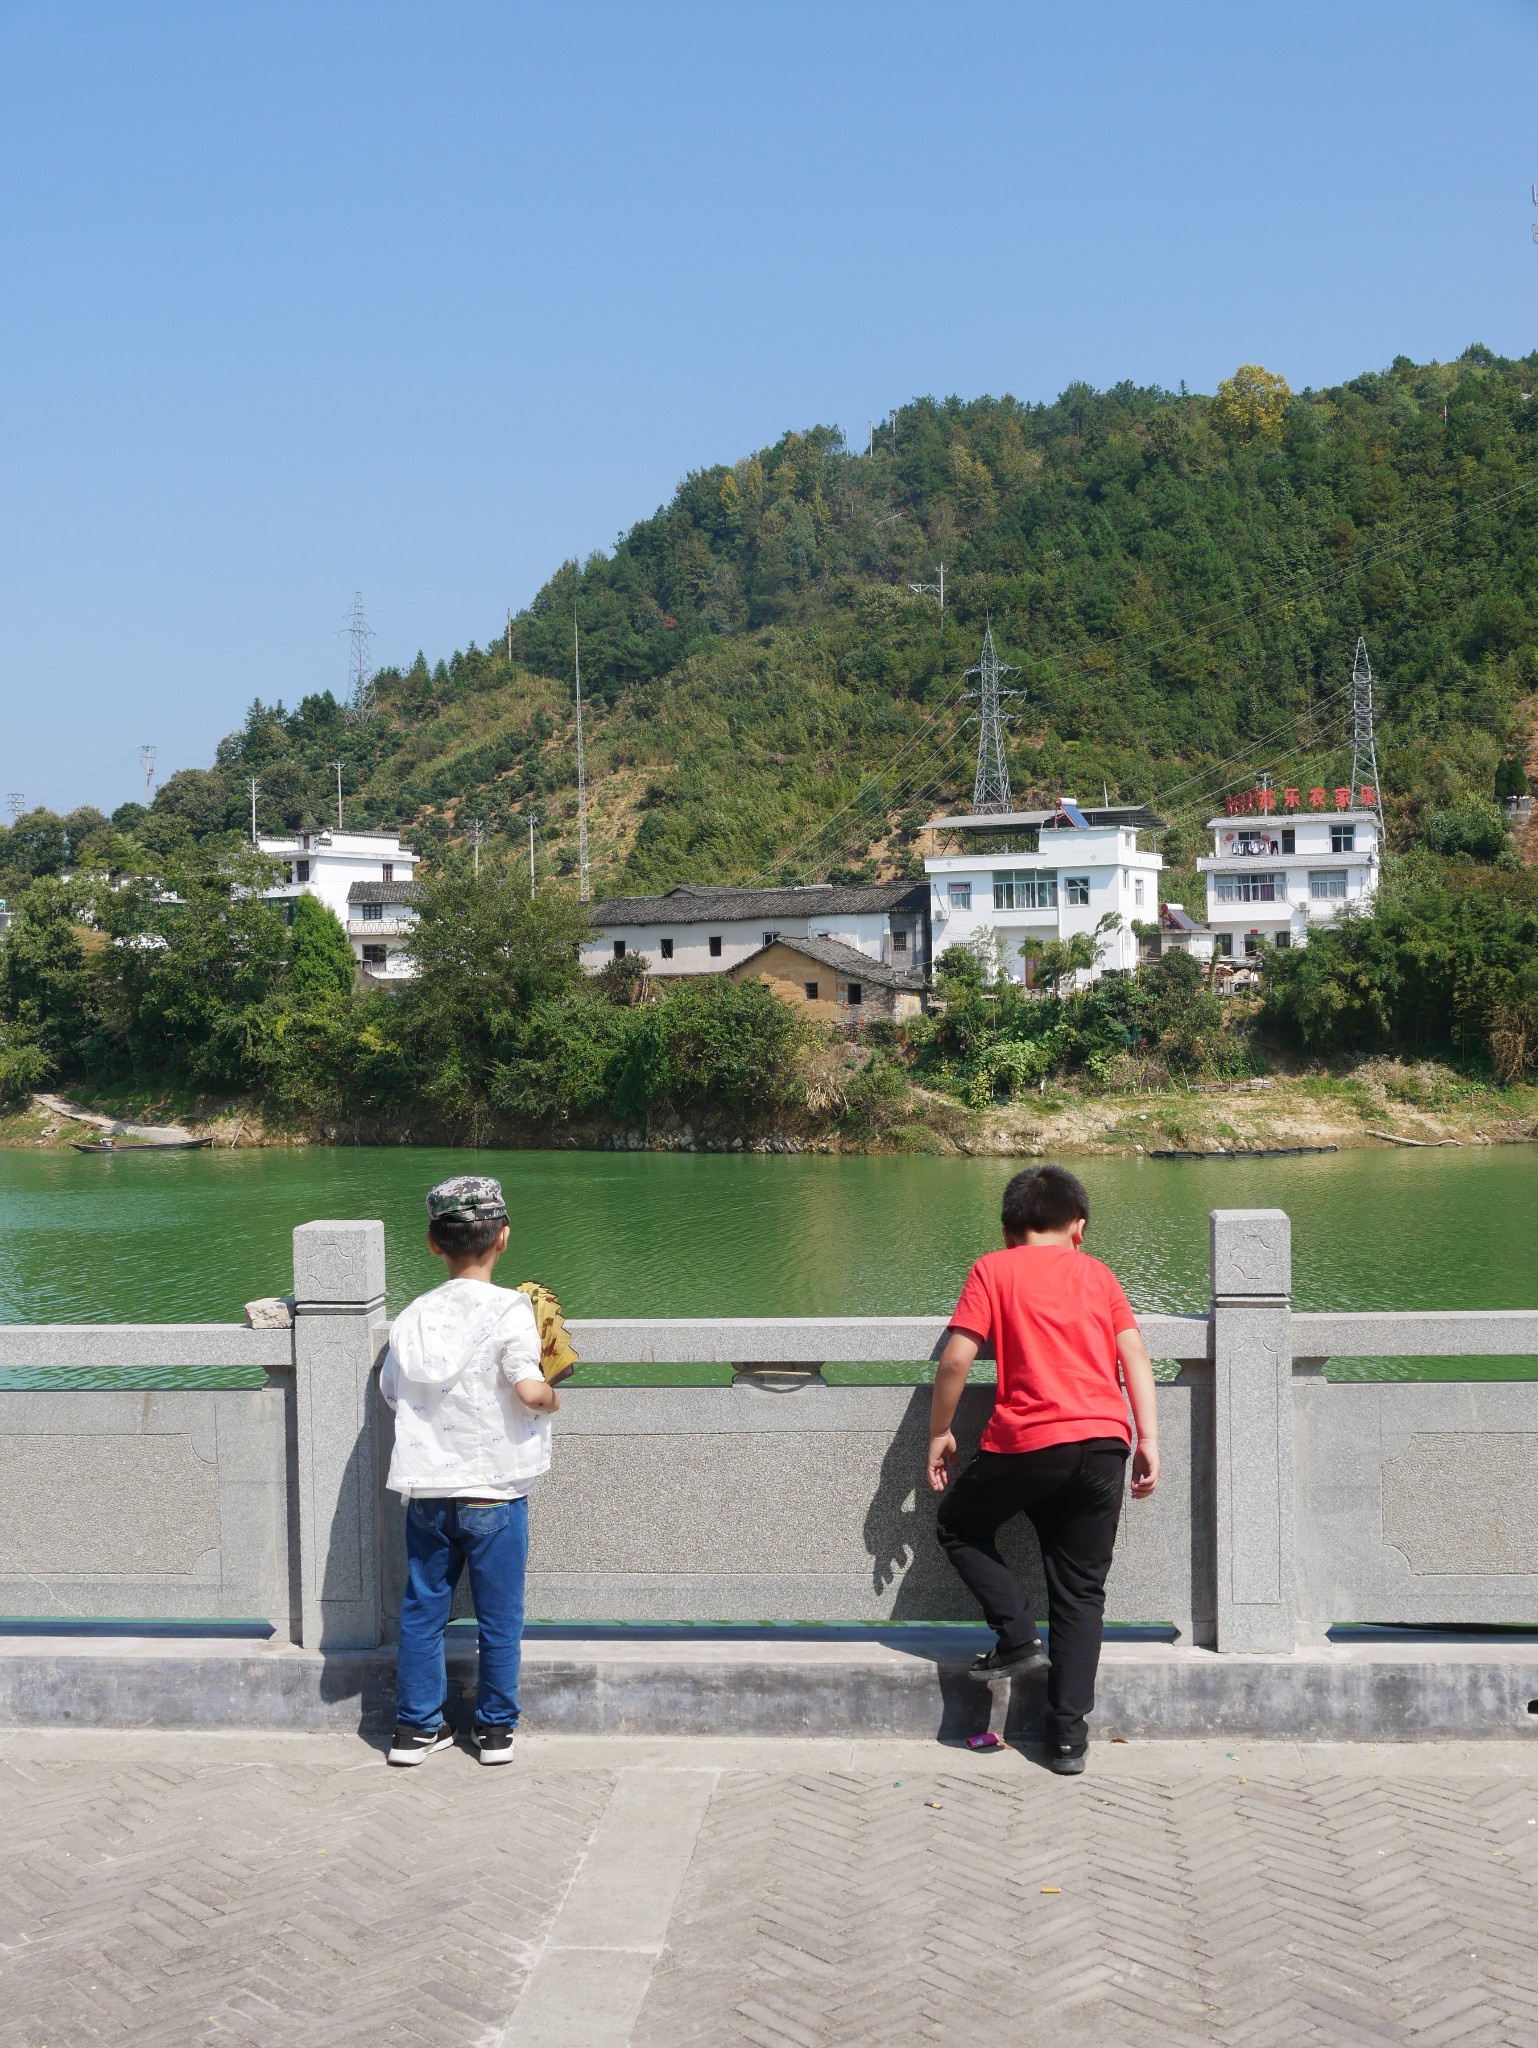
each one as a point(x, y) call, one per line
point(909, 1683)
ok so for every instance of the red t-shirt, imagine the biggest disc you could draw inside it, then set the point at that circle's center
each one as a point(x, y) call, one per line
point(1054, 1315)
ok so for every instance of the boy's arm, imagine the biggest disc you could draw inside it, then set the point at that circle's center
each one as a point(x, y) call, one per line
point(950, 1377)
point(537, 1393)
point(387, 1385)
point(1137, 1373)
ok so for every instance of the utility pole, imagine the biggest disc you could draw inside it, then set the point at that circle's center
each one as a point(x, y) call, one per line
point(360, 632)
point(933, 590)
point(582, 872)
point(18, 804)
point(147, 756)
point(1364, 748)
point(254, 786)
point(990, 791)
point(338, 767)
point(477, 826)
point(533, 821)
point(509, 636)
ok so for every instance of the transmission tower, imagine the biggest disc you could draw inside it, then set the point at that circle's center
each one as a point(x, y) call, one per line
point(147, 756)
point(582, 871)
point(990, 792)
point(361, 707)
point(1364, 750)
point(477, 828)
point(18, 804)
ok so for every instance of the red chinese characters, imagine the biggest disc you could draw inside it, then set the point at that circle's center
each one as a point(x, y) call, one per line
point(1289, 799)
point(1318, 800)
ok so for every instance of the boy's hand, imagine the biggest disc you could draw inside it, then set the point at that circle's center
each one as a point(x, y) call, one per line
point(942, 1461)
point(1145, 1469)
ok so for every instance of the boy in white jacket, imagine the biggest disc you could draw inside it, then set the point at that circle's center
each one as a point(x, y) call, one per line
point(472, 1435)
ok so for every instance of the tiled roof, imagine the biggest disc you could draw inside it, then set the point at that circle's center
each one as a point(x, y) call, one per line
point(385, 892)
point(692, 904)
point(844, 960)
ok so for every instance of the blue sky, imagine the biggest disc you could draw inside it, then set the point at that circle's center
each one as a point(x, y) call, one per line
point(419, 301)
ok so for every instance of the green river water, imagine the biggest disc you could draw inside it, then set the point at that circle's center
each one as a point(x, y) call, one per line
point(189, 1237)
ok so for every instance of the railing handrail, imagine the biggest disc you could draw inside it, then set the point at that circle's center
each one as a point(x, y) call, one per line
point(43, 1345)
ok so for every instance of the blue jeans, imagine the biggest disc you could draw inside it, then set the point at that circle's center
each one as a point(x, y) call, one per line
point(442, 1537)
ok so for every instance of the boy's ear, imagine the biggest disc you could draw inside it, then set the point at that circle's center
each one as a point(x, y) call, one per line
point(503, 1236)
point(432, 1247)
point(1077, 1229)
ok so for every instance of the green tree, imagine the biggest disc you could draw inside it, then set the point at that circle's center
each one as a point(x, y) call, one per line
point(45, 982)
point(320, 960)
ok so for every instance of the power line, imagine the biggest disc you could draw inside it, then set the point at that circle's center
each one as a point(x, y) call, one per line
point(582, 872)
point(360, 633)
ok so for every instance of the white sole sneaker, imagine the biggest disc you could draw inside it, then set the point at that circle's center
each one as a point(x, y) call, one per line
point(411, 1746)
point(497, 1751)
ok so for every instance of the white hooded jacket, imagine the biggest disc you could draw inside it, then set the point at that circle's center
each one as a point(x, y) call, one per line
point(455, 1355)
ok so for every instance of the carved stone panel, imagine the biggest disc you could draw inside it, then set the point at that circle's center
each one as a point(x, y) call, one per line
point(105, 1505)
point(1464, 1503)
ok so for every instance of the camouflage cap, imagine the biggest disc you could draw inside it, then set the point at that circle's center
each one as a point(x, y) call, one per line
point(468, 1194)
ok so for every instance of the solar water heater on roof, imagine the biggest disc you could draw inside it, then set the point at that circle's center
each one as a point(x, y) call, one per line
point(1073, 814)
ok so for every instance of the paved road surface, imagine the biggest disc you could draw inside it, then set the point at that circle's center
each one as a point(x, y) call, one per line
point(159, 1889)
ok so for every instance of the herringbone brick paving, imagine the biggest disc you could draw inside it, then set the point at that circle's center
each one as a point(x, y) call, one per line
point(221, 1890)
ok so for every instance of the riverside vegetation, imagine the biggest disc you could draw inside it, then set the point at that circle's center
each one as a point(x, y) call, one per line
point(1180, 581)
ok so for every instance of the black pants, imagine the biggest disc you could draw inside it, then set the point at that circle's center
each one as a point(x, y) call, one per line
point(1072, 1494)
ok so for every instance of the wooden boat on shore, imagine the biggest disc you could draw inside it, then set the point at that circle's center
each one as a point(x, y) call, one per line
point(112, 1149)
point(1272, 1152)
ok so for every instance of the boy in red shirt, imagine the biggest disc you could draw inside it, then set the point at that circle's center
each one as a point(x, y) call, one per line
point(1069, 1358)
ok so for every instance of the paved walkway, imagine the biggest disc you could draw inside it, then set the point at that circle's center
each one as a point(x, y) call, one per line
point(265, 1890)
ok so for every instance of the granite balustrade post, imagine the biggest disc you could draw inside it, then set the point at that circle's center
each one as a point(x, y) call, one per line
point(339, 1287)
point(1253, 1429)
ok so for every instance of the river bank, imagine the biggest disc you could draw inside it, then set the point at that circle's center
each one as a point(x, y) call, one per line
point(1373, 1105)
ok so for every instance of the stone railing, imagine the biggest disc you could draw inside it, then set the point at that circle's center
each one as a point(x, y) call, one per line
point(1289, 1503)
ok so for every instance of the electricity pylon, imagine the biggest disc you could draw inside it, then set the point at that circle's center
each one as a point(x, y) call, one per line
point(1364, 748)
point(990, 791)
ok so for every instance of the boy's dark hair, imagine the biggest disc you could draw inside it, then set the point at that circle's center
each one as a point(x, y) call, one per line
point(1044, 1198)
point(466, 1236)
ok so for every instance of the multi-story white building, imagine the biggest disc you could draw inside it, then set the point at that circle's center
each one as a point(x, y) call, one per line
point(367, 878)
point(1041, 878)
point(1277, 870)
point(699, 930)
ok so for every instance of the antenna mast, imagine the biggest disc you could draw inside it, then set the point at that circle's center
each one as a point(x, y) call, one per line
point(361, 708)
point(147, 756)
point(582, 871)
point(990, 792)
point(1364, 748)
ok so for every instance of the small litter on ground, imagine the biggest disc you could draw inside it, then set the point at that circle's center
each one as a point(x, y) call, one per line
point(1052, 1888)
point(988, 1741)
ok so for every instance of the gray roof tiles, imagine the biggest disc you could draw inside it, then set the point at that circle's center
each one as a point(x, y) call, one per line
point(692, 904)
point(402, 892)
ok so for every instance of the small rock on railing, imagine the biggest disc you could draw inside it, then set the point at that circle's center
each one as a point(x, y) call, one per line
point(272, 1312)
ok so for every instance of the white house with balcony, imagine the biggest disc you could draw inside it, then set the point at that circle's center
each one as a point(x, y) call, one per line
point(1006, 879)
point(367, 878)
point(1278, 872)
point(695, 929)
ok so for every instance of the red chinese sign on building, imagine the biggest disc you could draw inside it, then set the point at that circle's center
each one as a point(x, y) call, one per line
point(1250, 802)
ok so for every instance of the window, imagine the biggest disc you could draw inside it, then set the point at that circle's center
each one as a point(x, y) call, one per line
point(1343, 839)
point(667, 949)
point(301, 870)
point(1249, 945)
point(619, 949)
point(373, 913)
point(1225, 945)
point(961, 895)
point(304, 841)
point(1250, 888)
point(1289, 839)
point(373, 956)
point(1137, 891)
point(715, 947)
point(1327, 885)
point(811, 988)
point(1025, 891)
point(1282, 942)
point(387, 872)
point(899, 942)
point(1076, 888)
point(856, 993)
point(770, 937)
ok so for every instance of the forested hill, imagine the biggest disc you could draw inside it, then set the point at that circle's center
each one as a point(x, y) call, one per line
point(1180, 581)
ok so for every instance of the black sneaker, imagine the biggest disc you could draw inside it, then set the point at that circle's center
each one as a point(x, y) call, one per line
point(415, 1745)
point(997, 1663)
point(1063, 1759)
point(494, 1744)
